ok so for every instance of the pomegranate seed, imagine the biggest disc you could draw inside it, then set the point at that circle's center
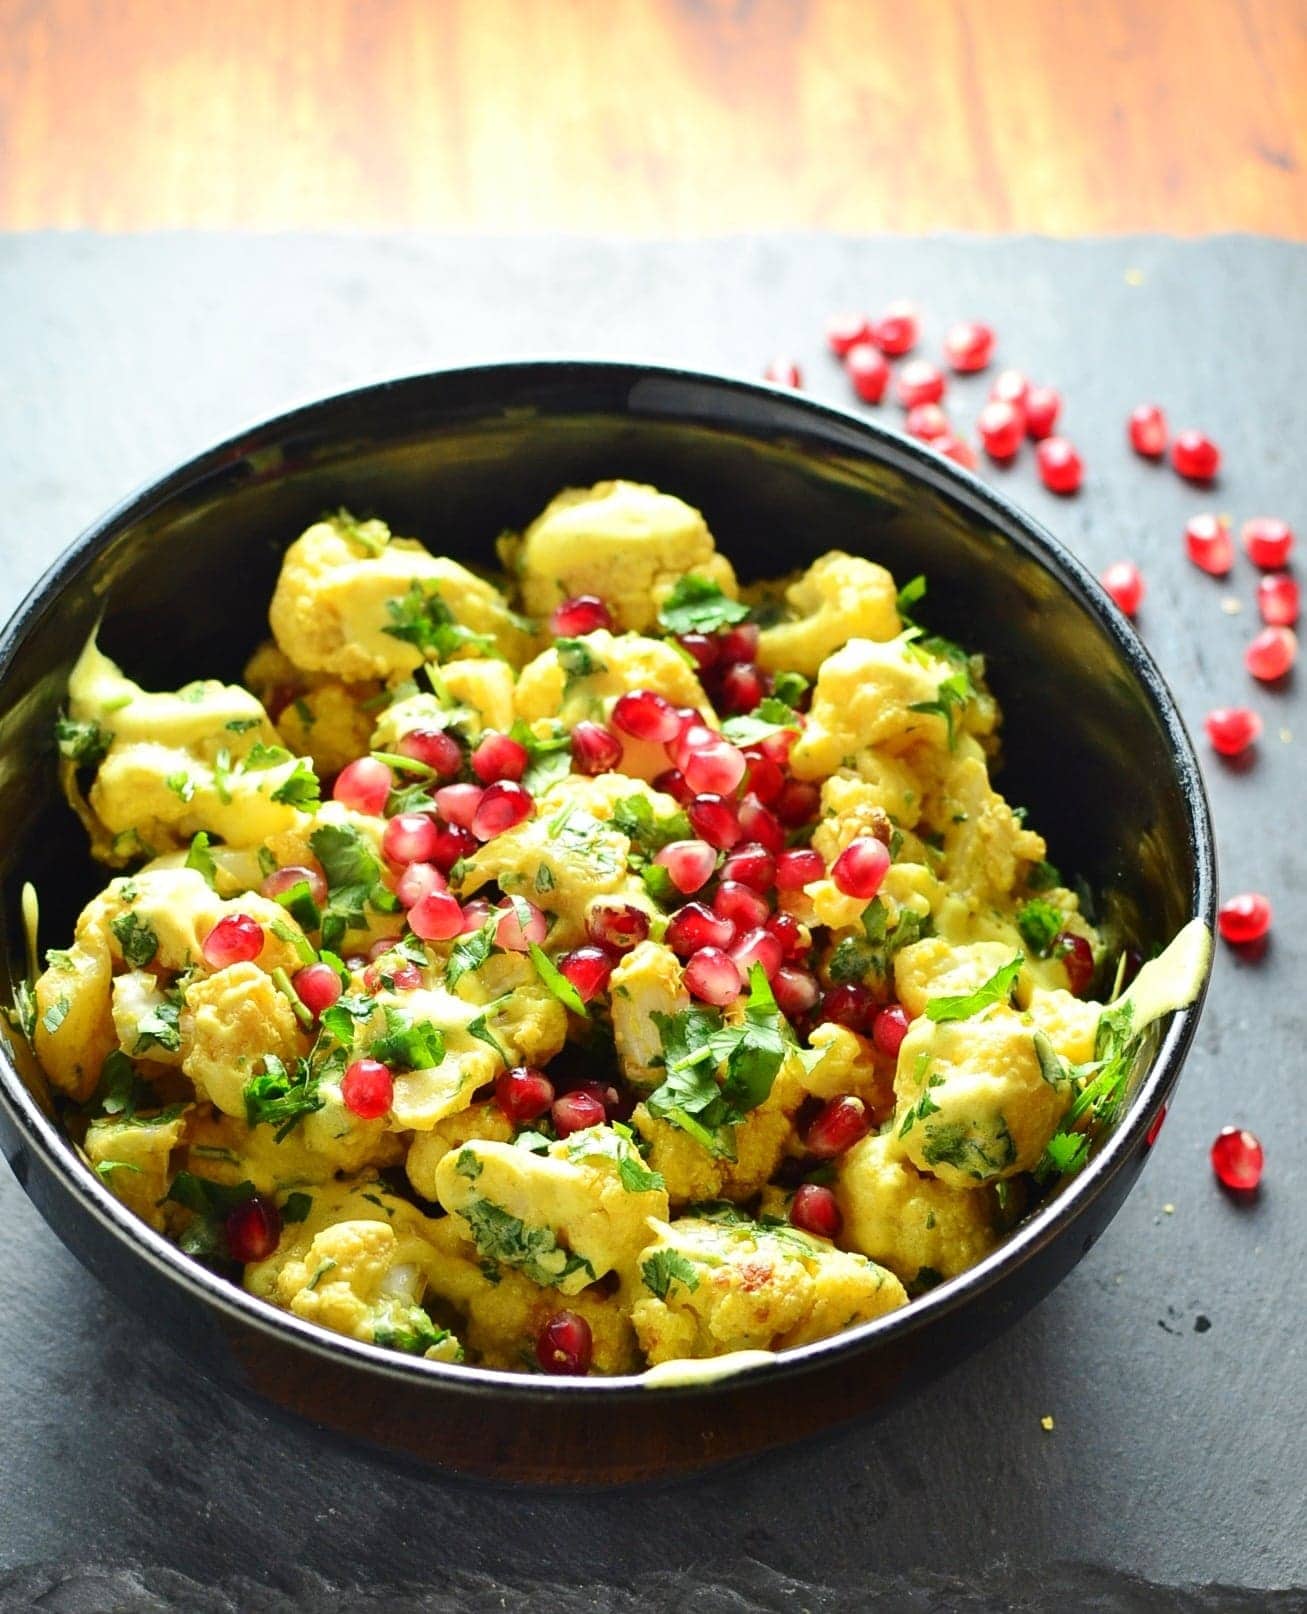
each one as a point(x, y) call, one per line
point(1277, 599)
point(740, 906)
point(672, 783)
point(740, 643)
point(760, 825)
point(838, 1125)
point(693, 737)
point(367, 1089)
point(1001, 427)
point(380, 947)
point(969, 346)
point(1238, 1159)
point(573, 1112)
point(436, 917)
point(850, 1005)
point(919, 382)
point(1271, 654)
point(927, 421)
point(1245, 918)
point(1043, 406)
point(757, 947)
point(1195, 456)
point(1061, 469)
point(617, 925)
point(783, 373)
point(419, 880)
point(889, 1028)
point(458, 804)
point(861, 867)
point(452, 844)
point(799, 803)
point(1077, 960)
point(1208, 542)
point(814, 1210)
point(956, 449)
point(702, 647)
point(895, 331)
point(475, 914)
point(499, 757)
point(711, 975)
point(588, 969)
point(253, 1230)
point(1267, 541)
point(1124, 582)
point(523, 1093)
point(234, 940)
point(503, 806)
point(1010, 386)
point(752, 865)
point(410, 838)
point(713, 819)
point(646, 715)
point(845, 331)
point(595, 749)
point(741, 688)
point(583, 613)
point(865, 367)
point(694, 926)
point(1147, 431)
point(1232, 729)
point(317, 986)
point(796, 991)
point(714, 769)
point(434, 748)
point(286, 879)
point(798, 868)
point(764, 779)
point(690, 864)
point(565, 1345)
point(514, 935)
point(363, 786)
point(789, 934)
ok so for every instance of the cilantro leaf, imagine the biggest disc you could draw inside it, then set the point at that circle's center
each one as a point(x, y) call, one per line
point(409, 1044)
point(82, 743)
point(549, 757)
point(352, 872)
point(501, 1236)
point(952, 695)
point(471, 951)
point(280, 1098)
point(557, 982)
point(770, 716)
point(296, 1207)
point(634, 817)
point(697, 605)
point(790, 687)
point(666, 1267)
point(577, 660)
point(997, 989)
point(300, 788)
point(119, 1091)
point(421, 618)
point(614, 1142)
point(158, 1028)
point(412, 1331)
point(1040, 924)
point(1042, 876)
point(911, 595)
point(200, 859)
point(136, 938)
point(261, 755)
point(181, 784)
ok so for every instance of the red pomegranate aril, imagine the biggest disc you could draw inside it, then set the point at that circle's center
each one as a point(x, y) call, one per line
point(926, 421)
point(704, 648)
point(595, 748)
point(1267, 542)
point(957, 449)
point(850, 1005)
point(838, 1125)
point(253, 1230)
point(1277, 599)
point(1010, 386)
point(919, 382)
point(1124, 582)
point(799, 867)
point(582, 614)
point(715, 769)
point(969, 346)
point(845, 331)
point(764, 778)
point(757, 947)
point(292, 874)
point(689, 864)
point(752, 865)
point(1271, 654)
point(672, 783)
point(789, 933)
point(503, 806)
point(317, 986)
point(523, 1093)
point(865, 366)
point(1042, 407)
point(1147, 430)
point(565, 1345)
point(573, 1112)
point(646, 715)
point(515, 933)
point(1209, 544)
point(410, 838)
point(475, 914)
point(895, 331)
point(740, 689)
point(1001, 427)
point(457, 804)
point(783, 373)
point(434, 748)
point(1245, 918)
point(799, 803)
point(237, 939)
point(759, 824)
point(1077, 960)
point(588, 969)
point(363, 786)
point(713, 819)
point(711, 976)
point(1195, 456)
point(740, 642)
point(1238, 1159)
point(889, 1028)
point(419, 880)
point(861, 867)
point(814, 1210)
point(399, 975)
point(436, 917)
point(1061, 469)
point(499, 757)
point(452, 844)
point(695, 926)
point(740, 906)
point(1232, 729)
point(367, 1089)
point(618, 925)
point(694, 736)
point(796, 991)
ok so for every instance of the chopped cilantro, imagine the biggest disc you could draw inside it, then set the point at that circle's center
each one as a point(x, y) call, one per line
point(413, 1331)
point(471, 951)
point(222, 775)
point(82, 743)
point(280, 1098)
point(549, 757)
point(136, 938)
point(1042, 876)
point(158, 1028)
point(790, 687)
point(997, 989)
point(770, 716)
point(666, 1267)
point(352, 872)
point(480, 1029)
point(697, 605)
point(501, 1236)
point(1040, 924)
point(200, 858)
point(616, 1143)
point(422, 618)
point(408, 1043)
point(261, 756)
point(296, 1207)
point(243, 725)
point(557, 982)
point(181, 784)
point(952, 695)
point(119, 1091)
point(911, 595)
point(300, 788)
point(577, 660)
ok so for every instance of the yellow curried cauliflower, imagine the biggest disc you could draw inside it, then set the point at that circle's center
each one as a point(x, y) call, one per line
point(625, 542)
point(74, 1032)
point(328, 725)
point(132, 1157)
point(840, 597)
point(428, 1149)
point(232, 1019)
point(326, 1142)
point(646, 981)
point(692, 1174)
point(986, 847)
point(936, 968)
point(724, 1283)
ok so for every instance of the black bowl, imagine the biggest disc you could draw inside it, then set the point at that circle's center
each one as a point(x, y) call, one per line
point(182, 571)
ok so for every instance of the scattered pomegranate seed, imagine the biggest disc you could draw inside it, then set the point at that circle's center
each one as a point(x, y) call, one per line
point(752, 865)
point(615, 924)
point(293, 874)
point(695, 926)
point(760, 826)
point(234, 940)
point(895, 331)
point(584, 613)
point(796, 991)
point(1061, 469)
point(845, 331)
point(799, 803)
point(1077, 960)
point(838, 1125)
point(452, 844)
point(850, 1005)
point(513, 933)
point(693, 737)
point(1043, 406)
point(703, 647)
point(363, 786)
point(1209, 544)
point(1232, 729)
point(711, 975)
point(1010, 386)
point(475, 914)
point(317, 986)
point(367, 1089)
point(575, 1111)
point(499, 757)
point(813, 1210)
point(764, 779)
point(740, 689)
point(866, 369)
point(1267, 541)
point(927, 421)
point(1245, 918)
point(503, 806)
point(523, 1093)
point(783, 373)
point(969, 346)
point(1271, 654)
point(740, 906)
point(595, 748)
point(672, 783)
point(739, 643)
point(714, 769)
point(434, 748)
point(757, 947)
point(1124, 582)
point(1277, 599)
point(956, 449)
point(646, 715)
point(457, 804)
point(861, 867)
point(1001, 427)
point(1147, 431)
point(689, 864)
point(797, 868)
point(889, 1028)
point(398, 973)
point(1195, 456)
point(789, 933)
point(565, 1344)
point(419, 880)
point(253, 1230)
point(919, 382)
point(588, 969)
point(1238, 1159)
point(436, 917)
point(410, 838)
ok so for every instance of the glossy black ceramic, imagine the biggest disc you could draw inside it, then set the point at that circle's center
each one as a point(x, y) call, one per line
point(182, 572)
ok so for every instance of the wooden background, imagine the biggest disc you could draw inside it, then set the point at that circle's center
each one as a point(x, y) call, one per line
point(655, 116)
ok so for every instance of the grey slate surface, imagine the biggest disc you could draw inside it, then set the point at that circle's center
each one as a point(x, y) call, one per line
point(1177, 1460)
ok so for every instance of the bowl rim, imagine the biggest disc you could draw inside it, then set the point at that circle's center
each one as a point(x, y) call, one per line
point(804, 416)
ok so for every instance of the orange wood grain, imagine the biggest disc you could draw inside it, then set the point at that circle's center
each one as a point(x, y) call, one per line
point(655, 116)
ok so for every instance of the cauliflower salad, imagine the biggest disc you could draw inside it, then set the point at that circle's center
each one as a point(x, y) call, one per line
point(596, 968)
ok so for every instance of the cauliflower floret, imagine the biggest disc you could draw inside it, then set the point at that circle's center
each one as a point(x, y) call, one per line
point(1069, 1023)
point(324, 1142)
point(328, 724)
point(647, 981)
point(849, 1064)
point(986, 847)
point(721, 1284)
point(232, 1020)
point(427, 1149)
point(339, 595)
point(132, 1158)
point(75, 1032)
point(840, 597)
point(936, 968)
point(137, 1000)
point(627, 543)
